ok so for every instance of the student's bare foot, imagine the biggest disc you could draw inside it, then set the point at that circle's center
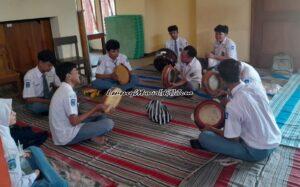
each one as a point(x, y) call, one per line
point(37, 172)
point(101, 140)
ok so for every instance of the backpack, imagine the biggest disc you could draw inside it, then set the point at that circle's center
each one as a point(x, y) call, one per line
point(27, 137)
point(158, 112)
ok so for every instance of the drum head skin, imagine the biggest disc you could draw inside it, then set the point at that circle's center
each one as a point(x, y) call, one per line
point(210, 113)
point(123, 74)
point(211, 83)
point(168, 76)
point(113, 99)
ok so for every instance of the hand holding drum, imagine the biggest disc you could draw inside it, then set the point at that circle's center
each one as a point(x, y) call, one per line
point(168, 76)
point(101, 107)
point(112, 99)
point(114, 76)
point(121, 74)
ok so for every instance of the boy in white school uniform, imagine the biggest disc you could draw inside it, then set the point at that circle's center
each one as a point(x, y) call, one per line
point(189, 69)
point(40, 83)
point(250, 132)
point(105, 76)
point(224, 47)
point(176, 43)
point(248, 74)
point(67, 127)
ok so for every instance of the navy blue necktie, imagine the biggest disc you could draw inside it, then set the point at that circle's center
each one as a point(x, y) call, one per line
point(176, 48)
point(45, 87)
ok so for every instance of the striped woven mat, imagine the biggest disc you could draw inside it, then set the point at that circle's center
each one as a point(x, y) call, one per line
point(280, 169)
point(286, 107)
point(142, 153)
point(285, 104)
point(139, 152)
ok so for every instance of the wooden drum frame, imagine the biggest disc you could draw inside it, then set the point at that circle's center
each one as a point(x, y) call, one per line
point(202, 118)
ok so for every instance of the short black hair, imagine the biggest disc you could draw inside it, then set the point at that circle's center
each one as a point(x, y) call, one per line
point(46, 56)
point(191, 51)
point(112, 45)
point(222, 28)
point(63, 69)
point(172, 28)
point(229, 70)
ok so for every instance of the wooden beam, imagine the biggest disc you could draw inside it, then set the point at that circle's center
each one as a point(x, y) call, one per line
point(84, 44)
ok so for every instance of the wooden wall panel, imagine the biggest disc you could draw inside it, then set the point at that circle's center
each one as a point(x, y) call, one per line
point(275, 28)
point(2, 35)
point(277, 38)
point(281, 5)
point(24, 39)
point(19, 44)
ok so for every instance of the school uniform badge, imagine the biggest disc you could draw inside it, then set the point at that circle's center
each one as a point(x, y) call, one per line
point(73, 102)
point(12, 163)
point(226, 115)
point(27, 84)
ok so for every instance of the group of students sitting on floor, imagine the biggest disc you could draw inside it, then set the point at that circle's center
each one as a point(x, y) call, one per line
point(189, 68)
point(223, 48)
point(50, 91)
point(250, 131)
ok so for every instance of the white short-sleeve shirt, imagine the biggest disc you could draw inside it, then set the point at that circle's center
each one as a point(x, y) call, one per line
point(249, 116)
point(226, 48)
point(63, 104)
point(107, 65)
point(33, 82)
point(192, 71)
point(181, 44)
point(249, 74)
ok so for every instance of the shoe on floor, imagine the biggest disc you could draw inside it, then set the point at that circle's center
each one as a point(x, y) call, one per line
point(195, 144)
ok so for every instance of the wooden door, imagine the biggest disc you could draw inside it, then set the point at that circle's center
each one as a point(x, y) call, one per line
point(275, 28)
point(24, 39)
